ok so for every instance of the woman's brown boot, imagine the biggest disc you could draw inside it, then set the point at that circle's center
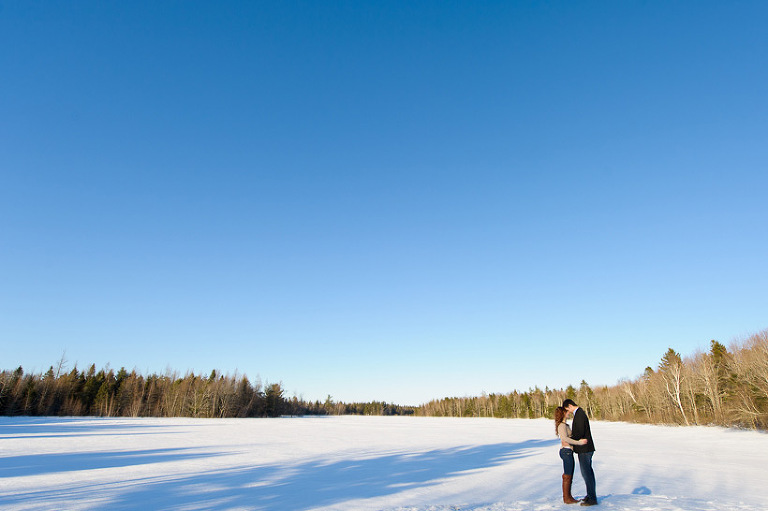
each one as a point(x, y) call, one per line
point(567, 497)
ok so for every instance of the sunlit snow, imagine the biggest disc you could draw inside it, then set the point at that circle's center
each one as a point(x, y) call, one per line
point(367, 463)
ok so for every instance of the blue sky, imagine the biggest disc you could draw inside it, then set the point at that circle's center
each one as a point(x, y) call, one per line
point(382, 200)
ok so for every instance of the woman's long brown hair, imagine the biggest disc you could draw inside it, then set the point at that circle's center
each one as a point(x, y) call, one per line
point(560, 414)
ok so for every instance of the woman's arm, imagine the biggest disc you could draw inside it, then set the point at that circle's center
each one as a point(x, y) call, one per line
point(562, 432)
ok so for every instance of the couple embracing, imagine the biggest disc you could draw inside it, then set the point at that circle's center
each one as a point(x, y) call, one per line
point(576, 440)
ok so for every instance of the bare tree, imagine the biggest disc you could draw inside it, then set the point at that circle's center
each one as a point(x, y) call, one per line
point(671, 370)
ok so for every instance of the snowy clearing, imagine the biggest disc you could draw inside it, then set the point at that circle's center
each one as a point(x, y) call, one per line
point(367, 463)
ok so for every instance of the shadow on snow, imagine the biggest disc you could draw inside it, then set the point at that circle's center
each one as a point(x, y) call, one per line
point(43, 464)
point(318, 483)
point(55, 427)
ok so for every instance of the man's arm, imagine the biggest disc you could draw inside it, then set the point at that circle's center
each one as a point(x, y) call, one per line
point(578, 428)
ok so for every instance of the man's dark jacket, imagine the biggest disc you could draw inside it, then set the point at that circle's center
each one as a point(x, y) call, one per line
point(580, 429)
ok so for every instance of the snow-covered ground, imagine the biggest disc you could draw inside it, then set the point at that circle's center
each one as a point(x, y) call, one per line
point(367, 463)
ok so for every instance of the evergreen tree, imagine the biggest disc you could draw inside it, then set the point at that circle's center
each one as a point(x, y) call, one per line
point(275, 404)
point(671, 370)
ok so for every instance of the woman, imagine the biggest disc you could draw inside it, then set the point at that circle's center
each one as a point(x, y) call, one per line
point(566, 452)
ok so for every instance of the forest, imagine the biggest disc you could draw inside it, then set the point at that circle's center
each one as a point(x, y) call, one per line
point(723, 386)
point(107, 393)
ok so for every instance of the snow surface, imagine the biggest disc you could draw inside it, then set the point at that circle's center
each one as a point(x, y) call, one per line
point(367, 463)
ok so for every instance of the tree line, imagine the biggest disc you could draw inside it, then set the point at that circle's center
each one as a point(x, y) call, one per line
point(107, 393)
point(726, 387)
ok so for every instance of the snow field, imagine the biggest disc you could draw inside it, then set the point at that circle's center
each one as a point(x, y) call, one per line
point(367, 464)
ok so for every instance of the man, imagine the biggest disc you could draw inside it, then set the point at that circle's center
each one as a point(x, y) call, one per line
point(580, 429)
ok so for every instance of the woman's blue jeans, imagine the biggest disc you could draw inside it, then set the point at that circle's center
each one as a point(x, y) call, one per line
point(568, 462)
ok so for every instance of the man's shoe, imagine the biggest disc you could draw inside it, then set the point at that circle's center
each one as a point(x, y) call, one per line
point(588, 502)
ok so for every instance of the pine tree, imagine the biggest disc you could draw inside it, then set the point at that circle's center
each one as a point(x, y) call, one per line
point(671, 369)
point(274, 400)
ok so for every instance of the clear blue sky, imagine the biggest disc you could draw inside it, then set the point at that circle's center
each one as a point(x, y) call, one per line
point(382, 200)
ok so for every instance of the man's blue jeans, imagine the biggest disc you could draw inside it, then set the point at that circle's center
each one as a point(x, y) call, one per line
point(585, 465)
